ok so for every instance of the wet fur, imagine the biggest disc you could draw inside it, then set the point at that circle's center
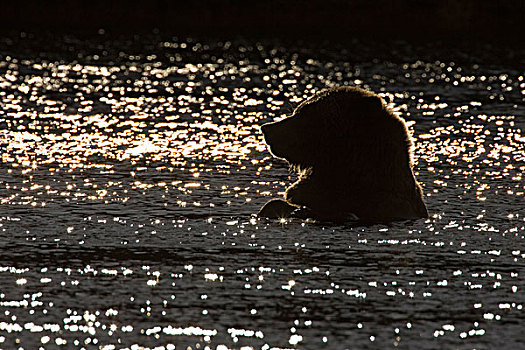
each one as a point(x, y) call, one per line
point(353, 155)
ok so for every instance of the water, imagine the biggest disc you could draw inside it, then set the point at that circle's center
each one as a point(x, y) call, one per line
point(131, 168)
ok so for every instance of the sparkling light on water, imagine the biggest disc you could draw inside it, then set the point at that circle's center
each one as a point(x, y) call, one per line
point(129, 176)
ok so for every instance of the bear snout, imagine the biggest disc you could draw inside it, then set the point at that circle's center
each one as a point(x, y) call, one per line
point(267, 129)
point(283, 140)
point(264, 129)
point(270, 132)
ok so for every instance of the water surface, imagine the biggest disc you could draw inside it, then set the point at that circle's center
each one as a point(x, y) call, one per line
point(131, 168)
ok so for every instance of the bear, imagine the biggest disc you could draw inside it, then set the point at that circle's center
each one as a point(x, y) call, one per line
point(353, 156)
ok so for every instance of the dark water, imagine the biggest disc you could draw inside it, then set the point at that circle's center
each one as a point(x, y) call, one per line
point(130, 170)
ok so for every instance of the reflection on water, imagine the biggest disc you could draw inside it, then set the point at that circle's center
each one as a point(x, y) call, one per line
point(130, 170)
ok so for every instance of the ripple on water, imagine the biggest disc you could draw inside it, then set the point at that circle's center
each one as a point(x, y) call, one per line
point(130, 170)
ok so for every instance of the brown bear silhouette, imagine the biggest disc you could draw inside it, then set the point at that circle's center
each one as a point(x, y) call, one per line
point(354, 159)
